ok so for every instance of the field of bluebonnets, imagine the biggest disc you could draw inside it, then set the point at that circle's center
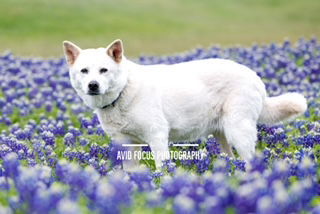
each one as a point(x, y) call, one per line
point(54, 156)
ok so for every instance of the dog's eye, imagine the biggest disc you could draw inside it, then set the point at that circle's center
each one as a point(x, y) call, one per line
point(103, 70)
point(84, 70)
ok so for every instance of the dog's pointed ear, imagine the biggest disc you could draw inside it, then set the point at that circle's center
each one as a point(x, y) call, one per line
point(115, 50)
point(71, 51)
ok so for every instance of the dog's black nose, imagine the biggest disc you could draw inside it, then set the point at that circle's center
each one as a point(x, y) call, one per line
point(93, 87)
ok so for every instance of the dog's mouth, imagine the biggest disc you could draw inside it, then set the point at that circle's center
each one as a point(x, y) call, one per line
point(93, 93)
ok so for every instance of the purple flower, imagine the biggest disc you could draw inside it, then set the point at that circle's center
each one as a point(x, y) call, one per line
point(143, 179)
point(48, 137)
point(11, 164)
point(113, 193)
point(213, 147)
point(184, 205)
point(69, 139)
point(240, 165)
point(68, 207)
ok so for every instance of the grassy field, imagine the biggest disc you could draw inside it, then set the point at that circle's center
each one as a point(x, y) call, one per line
point(37, 27)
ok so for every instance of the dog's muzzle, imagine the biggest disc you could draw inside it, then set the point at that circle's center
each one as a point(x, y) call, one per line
point(93, 88)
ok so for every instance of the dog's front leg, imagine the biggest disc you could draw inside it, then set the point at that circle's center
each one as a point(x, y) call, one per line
point(130, 163)
point(159, 146)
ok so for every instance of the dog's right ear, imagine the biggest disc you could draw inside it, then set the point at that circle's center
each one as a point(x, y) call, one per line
point(71, 51)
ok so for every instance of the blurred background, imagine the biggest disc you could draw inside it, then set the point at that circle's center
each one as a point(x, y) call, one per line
point(150, 27)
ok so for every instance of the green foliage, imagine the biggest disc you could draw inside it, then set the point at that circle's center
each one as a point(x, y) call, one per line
point(38, 27)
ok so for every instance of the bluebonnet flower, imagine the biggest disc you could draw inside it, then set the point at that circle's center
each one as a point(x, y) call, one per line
point(172, 186)
point(265, 205)
point(308, 141)
point(143, 179)
point(240, 165)
point(4, 184)
point(307, 168)
point(100, 132)
point(48, 137)
point(111, 194)
point(169, 166)
point(69, 139)
point(184, 205)
point(86, 122)
point(258, 163)
point(14, 203)
point(213, 147)
point(203, 164)
point(11, 164)
point(83, 141)
point(68, 207)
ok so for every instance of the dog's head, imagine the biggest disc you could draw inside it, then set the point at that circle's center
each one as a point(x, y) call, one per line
point(96, 74)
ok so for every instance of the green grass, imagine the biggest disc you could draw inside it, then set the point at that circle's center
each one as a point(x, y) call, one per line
point(37, 27)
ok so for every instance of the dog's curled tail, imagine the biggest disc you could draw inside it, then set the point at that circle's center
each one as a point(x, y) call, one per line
point(283, 107)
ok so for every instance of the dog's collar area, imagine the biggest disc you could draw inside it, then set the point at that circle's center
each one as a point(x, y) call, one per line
point(113, 103)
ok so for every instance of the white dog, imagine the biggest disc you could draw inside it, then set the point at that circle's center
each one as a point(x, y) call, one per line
point(157, 104)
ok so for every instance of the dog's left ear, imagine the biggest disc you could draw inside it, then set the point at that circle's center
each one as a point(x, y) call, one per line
point(115, 50)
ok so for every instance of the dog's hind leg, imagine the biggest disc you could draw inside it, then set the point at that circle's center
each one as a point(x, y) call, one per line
point(242, 135)
point(225, 147)
point(240, 123)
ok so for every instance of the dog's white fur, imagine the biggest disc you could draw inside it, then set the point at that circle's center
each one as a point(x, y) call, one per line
point(180, 102)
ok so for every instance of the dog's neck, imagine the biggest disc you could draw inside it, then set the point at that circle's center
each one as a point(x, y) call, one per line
point(114, 102)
